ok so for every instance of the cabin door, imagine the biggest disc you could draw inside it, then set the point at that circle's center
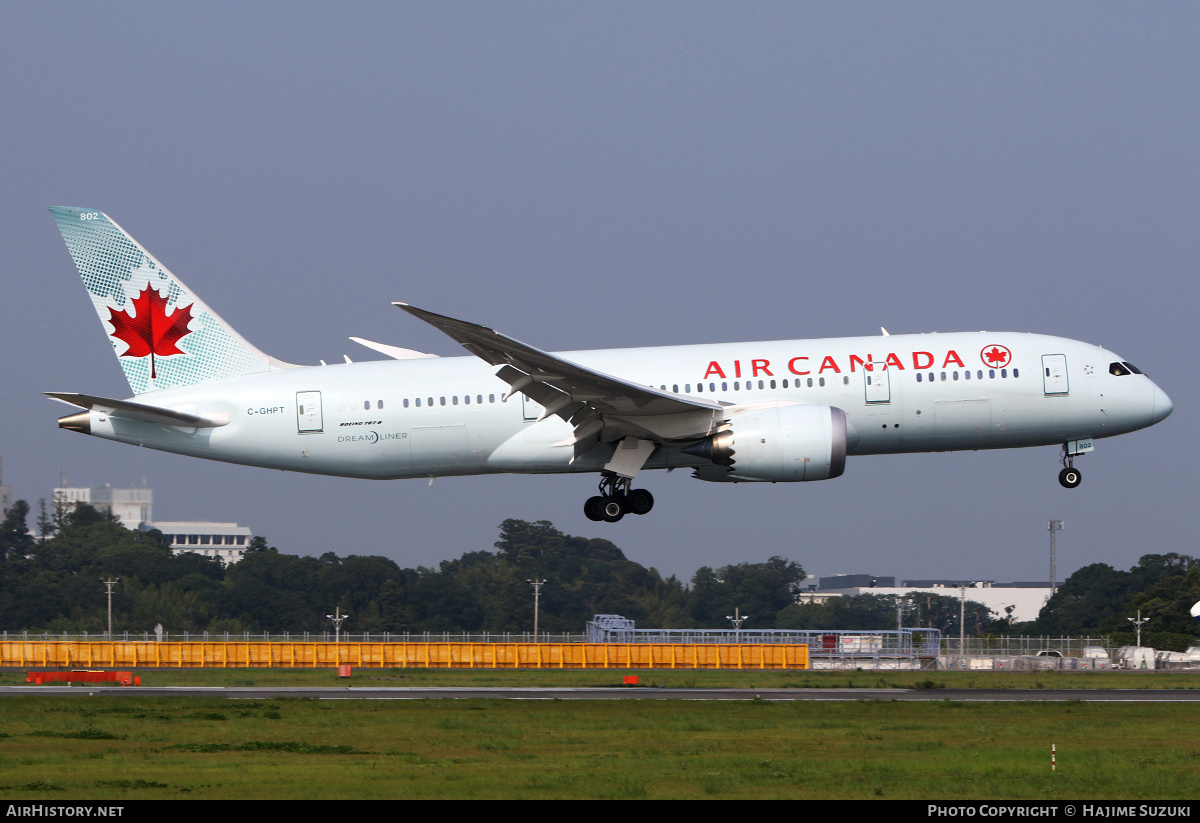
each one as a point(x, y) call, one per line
point(878, 384)
point(1054, 373)
point(309, 418)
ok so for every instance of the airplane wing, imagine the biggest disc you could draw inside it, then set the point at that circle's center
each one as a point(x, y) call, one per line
point(589, 399)
point(137, 411)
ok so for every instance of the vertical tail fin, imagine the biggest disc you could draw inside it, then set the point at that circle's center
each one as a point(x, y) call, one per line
point(163, 335)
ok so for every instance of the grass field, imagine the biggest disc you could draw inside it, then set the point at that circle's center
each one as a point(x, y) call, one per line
point(182, 747)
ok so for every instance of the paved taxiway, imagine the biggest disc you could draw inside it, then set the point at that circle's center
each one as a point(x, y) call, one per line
point(643, 693)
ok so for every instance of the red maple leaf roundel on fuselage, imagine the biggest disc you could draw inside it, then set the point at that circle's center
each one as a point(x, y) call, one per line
point(150, 331)
point(996, 356)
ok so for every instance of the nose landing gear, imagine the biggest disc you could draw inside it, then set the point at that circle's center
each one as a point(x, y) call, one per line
point(617, 499)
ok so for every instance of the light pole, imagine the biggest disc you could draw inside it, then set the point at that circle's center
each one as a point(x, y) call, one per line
point(962, 618)
point(337, 617)
point(737, 619)
point(1140, 620)
point(109, 584)
point(537, 595)
point(1053, 526)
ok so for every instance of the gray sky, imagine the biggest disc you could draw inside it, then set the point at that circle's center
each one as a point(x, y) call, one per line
point(591, 175)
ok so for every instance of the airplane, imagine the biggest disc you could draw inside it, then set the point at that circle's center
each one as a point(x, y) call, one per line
point(773, 411)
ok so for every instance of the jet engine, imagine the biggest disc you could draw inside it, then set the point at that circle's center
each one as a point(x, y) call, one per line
point(778, 444)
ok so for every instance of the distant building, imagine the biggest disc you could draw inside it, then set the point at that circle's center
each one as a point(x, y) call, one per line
point(133, 505)
point(813, 596)
point(1018, 603)
point(226, 541)
point(855, 581)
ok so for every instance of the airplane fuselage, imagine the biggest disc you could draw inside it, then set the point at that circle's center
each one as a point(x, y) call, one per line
point(454, 416)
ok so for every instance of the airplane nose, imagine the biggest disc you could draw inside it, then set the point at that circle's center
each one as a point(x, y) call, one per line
point(1162, 405)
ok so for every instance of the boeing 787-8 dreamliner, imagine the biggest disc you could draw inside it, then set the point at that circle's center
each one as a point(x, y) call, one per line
point(773, 411)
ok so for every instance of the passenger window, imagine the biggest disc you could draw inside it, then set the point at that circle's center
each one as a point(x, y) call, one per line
point(442, 400)
point(943, 377)
point(479, 399)
point(992, 373)
point(1016, 373)
point(418, 402)
point(724, 387)
point(467, 399)
point(979, 374)
point(491, 398)
point(810, 382)
point(1004, 372)
point(687, 389)
point(406, 402)
point(955, 375)
point(675, 388)
point(737, 386)
point(846, 380)
point(918, 377)
point(454, 400)
point(821, 381)
point(967, 374)
point(785, 383)
point(379, 404)
point(367, 405)
point(712, 386)
point(772, 384)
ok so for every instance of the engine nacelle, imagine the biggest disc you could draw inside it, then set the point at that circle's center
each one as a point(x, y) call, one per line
point(779, 444)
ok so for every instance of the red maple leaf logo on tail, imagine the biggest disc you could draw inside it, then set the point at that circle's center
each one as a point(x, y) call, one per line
point(150, 331)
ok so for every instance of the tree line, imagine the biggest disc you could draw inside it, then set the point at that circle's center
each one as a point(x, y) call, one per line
point(51, 582)
point(1098, 600)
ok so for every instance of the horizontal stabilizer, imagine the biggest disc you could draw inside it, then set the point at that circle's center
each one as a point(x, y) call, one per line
point(137, 411)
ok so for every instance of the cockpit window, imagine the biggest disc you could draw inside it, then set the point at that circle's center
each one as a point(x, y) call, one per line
point(1131, 367)
point(1117, 369)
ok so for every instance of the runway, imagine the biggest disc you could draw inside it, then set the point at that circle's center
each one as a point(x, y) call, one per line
point(617, 693)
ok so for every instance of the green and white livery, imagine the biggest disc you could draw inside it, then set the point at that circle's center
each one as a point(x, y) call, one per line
point(117, 272)
point(773, 411)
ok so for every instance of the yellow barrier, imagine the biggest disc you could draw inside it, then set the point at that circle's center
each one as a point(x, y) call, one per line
point(60, 654)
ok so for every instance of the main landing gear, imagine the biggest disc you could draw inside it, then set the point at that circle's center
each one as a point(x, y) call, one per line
point(1070, 476)
point(617, 499)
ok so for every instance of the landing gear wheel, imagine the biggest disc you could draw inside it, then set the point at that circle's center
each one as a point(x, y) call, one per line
point(617, 499)
point(1069, 477)
point(612, 509)
point(594, 508)
point(640, 501)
